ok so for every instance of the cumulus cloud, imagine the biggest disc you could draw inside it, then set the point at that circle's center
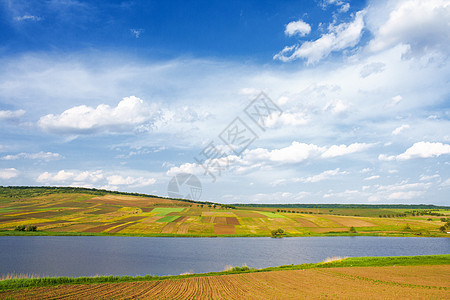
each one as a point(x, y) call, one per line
point(46, 156)
point(127, 115)
point(261, 157)
point(299, 27)
point(340, 150)
point(88, 178)
point(398, 130)
point(323, 176)
point(8, 173)
point(11, 114)
point(338, 37)
point(419, 150)
point(60, 176)
point(130, 181)
point(372, 177)
point(423, 25)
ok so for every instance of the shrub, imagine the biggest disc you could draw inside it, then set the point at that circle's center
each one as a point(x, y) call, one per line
point(277, 233)
point(352, 229)
point(20, 228)
point(31, 228)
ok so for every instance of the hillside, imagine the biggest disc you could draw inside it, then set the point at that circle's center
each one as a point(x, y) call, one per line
point(60, 211)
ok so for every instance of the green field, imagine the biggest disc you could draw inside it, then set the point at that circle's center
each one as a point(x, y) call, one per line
point(73, 211)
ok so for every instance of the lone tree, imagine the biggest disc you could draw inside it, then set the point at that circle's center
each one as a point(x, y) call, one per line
point(277, 233)
point(352, 229)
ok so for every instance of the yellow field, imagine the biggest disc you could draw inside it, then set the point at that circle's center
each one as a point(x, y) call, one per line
point(124, 214)
point(402, 282)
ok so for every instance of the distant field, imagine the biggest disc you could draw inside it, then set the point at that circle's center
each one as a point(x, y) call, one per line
point(408, 280)
point(73, 211)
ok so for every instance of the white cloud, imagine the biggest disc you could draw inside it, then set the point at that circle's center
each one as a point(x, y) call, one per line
point(191, 168)
point(60, 176)
point(429, 177)
point(8, 173)
point(395, 100)
point(344, 8)
point(339, 37)
point(423, 25)
point(88, 178)
point(287, 118)
point(372, 177)
point(323, 176)
point(446, 183)
point(130, 113)
point(130, 181)
point(372, 68)
point(27, 18)
point(419, 150)
point(340, 150)
point(405, 195)
point(299, 27)
point(425, 150)
point(261, 157)
point(398, 130)
point(294, 153)
point(11, 114)
point(137, 32)
point(46, 156)
point(336, 107)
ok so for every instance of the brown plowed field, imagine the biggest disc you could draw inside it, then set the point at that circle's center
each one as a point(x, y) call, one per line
point(413, 282)
point(348, 221)
point(183, 228)
point(305, 223)
point(224, 229)
point(169, 228)
point(232, 221)
point(220, 220)
point(249, 214)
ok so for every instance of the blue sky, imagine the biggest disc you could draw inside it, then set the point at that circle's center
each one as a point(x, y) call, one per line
point(125, 95)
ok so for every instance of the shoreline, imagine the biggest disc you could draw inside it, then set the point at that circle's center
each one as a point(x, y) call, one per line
point(386, 261)
point(51, 233)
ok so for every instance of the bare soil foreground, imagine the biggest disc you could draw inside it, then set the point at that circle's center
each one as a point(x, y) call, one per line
point(394, 282)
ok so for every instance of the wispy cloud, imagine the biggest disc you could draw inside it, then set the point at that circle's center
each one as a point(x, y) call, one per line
point(28, 18)
point(136, 32)
point(46, 156)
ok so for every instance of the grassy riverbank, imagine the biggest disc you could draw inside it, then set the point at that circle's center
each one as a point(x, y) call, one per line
point(331, 263)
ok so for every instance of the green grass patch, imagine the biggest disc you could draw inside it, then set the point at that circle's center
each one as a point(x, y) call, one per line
point(271, 214)
point(168, 219)
point(162, 211)
point(346, 262)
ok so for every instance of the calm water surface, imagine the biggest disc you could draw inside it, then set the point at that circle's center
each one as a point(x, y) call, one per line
point(99, 255)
